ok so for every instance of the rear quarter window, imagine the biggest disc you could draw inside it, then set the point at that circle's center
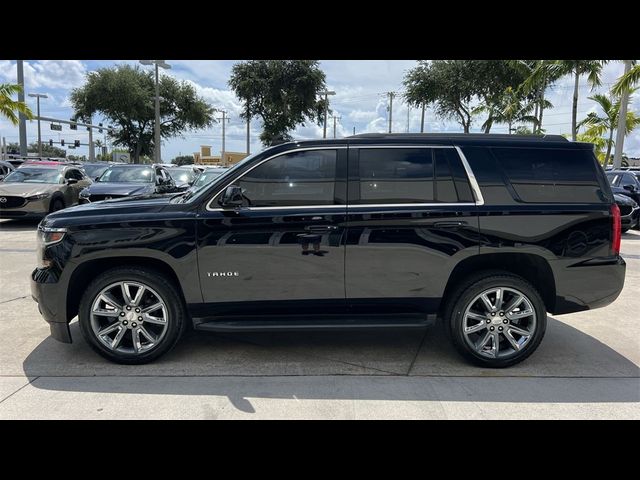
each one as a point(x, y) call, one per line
point(544, 175)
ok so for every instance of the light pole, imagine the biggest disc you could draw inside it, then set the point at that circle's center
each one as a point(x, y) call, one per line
point(38, 96)
point(156, 125)
point(326, 94)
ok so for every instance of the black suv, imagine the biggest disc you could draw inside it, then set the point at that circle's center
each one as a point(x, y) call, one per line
point(487, 232)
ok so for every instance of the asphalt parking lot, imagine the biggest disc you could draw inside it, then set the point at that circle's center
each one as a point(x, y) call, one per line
point(586, 367)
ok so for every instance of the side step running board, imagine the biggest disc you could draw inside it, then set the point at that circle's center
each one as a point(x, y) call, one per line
point(285, 323)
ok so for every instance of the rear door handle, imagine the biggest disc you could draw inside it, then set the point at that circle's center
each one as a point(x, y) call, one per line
point(457, 224)
point(320, 228)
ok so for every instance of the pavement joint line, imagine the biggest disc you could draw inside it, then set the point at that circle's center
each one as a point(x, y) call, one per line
point(13, 393)
point(17, 250)
point(11, 300)
point(415, 357)
point(395, 375)
point(311, 355)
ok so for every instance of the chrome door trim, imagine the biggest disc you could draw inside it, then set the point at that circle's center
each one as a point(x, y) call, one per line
point(475, 187)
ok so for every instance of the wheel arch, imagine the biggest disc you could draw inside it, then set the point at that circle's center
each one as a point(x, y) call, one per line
point(533, 268)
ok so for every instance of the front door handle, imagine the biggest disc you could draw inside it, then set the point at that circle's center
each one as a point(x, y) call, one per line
point(457, 224)
point(320, 228)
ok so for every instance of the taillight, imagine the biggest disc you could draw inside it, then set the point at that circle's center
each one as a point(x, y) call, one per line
point(616, 226)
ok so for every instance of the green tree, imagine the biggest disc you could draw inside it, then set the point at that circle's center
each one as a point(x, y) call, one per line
point(183, 160)
point(125, 95)
point(627, 81)
point(283, 93)
point(597, 125)
point(47, 150)
point(10, 108)
point(599, 144)
point(508, 108)
point(535, 87)
point(559, 68)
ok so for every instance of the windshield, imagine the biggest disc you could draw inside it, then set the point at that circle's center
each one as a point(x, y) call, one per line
point(182, 175)
point(34, 175)
point(119, 174)
point(207, 177)
point(94, 171)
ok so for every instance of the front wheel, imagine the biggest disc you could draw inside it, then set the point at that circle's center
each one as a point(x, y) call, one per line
point(497, 320)
point(131, 315)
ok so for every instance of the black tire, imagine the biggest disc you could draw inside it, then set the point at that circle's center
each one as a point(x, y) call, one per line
point(625, 230)
point(467, 291)
point(176, 321)
point(57, 204)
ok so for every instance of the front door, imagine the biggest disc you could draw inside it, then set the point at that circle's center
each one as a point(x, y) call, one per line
point(285, 243)
point(411, 219)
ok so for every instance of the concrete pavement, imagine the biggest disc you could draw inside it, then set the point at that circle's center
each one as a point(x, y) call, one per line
point(586, 367)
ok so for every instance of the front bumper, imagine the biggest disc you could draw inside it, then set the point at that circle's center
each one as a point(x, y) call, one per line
point(34, 209)
point(51, 296)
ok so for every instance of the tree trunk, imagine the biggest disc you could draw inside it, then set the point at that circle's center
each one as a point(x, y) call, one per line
point(541, 111)
point(535, 115)
point(510, 127)
point(609, 145)
point(422, 120)
point(574, 109)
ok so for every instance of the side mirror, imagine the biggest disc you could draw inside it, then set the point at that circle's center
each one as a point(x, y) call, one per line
point(72, 181)
point(159, 181)
point(631, 188)
point(232, 197)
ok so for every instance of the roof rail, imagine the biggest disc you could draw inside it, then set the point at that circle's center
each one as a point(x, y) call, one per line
point(547, 138)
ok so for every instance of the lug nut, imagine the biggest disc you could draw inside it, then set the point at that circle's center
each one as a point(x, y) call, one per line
point(492, 328)
point(122, 314)
point(134, 324)
point(502, 314)
point(493, 314)
point(139, 319)
point(499, 328)
point(128, 307)
point(505, 321)
point(137, 310)
point(125, 322)
point(488, 321)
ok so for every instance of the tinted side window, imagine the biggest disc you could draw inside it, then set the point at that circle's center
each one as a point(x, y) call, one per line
point(77, 174)
point(298, 178)
point(452, 184)
point(396, 175)
point(611, 177)
point(628, 179)
point(548, 175)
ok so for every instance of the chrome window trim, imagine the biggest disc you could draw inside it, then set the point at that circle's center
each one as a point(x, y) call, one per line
point(473, 182)
point(301, 149)
point(475, 187)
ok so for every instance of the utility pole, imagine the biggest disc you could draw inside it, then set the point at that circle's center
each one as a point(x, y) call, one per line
point(422, 120)
point(92, 152)
point(408, 117)
point(248, 133)
point(156, 126)
point(391, 95)
point(354, 130)
point(224, 119)
point(334, 124)
point(22, 125)
point(622, 121)
point(38, 96)
point(326, 94)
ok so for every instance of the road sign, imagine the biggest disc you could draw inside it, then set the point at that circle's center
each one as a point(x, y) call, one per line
point(56, 127)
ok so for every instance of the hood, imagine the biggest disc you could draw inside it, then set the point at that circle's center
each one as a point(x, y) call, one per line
point(27, 189)
point(107, 188)
point(624, 200)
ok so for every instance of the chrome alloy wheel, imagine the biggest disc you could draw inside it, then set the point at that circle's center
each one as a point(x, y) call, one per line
point(499, 322)
point(129, 317)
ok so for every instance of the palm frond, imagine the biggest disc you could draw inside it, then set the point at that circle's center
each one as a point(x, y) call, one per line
point(627, 81)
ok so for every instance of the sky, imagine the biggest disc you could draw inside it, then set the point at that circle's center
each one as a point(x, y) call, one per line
point(360, 102)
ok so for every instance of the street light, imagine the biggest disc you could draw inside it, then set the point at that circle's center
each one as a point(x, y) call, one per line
point(156, 125)
point(38, 96)
point(326, 94)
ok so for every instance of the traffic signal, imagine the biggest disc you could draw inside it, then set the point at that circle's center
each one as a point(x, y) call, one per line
point(51, 143)
point(62, 143)
point(100, 130)
point(76, 143)
point(73, 126)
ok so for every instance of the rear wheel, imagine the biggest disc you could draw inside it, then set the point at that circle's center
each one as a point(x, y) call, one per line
point(131, 315)
point(496, 320)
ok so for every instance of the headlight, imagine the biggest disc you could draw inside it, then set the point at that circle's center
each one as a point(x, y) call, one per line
point(47, 236)
point(39, 196)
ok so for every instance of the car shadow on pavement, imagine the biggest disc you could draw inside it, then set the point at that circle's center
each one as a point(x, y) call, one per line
point(569, 366)
point(18, 225)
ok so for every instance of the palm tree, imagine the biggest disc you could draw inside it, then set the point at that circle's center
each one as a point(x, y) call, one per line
point(10, 108)
point(536, 86)
point(560, 68)
point(510, 108)
point(597, 125)
point(627, 81)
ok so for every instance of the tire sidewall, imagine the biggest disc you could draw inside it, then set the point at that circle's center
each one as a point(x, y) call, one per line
point(457, 318)
point(155, 280)
point(57, 201)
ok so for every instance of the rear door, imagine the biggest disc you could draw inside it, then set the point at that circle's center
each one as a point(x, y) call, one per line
point(411, 218)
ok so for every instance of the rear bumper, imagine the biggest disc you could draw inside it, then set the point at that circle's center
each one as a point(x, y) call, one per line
point(588, 285)
point(51, 296)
